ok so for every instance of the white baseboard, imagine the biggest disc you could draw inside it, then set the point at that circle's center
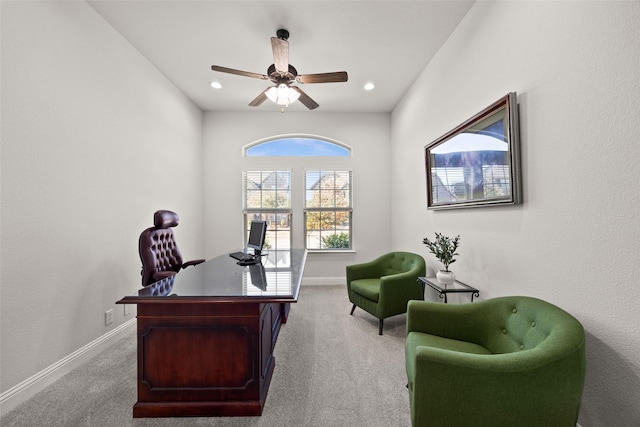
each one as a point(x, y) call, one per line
point(320, 281)
point(23, 391)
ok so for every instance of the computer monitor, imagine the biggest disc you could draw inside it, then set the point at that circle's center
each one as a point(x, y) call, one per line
point(257, 233)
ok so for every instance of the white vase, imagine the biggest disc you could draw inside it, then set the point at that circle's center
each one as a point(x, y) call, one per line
point(445, 277)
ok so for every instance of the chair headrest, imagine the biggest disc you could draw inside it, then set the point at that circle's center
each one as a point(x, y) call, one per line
point(165, 219)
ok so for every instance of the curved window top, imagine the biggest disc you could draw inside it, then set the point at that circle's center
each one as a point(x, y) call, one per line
point(297, 146)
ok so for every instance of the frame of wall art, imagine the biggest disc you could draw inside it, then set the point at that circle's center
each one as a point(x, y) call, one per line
point(478, 162)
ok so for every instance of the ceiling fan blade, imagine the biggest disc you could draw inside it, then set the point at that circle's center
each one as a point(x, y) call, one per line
point(336, 77)
point(305, 99)
point(280, 49)
point(238, 72)
point(259, 99)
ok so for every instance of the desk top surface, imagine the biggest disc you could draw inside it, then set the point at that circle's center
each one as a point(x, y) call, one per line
point(276, 279)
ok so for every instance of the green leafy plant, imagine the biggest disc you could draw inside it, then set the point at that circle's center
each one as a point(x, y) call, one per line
point(444, 248)
point(338, 241)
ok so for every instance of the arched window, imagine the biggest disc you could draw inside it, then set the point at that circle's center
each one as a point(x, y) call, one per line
point(299, 146)
point(323, 189)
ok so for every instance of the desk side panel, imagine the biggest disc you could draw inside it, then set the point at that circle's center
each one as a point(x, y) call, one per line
point(218, 357)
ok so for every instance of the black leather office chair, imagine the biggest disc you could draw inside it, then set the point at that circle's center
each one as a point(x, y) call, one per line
point(158, 250)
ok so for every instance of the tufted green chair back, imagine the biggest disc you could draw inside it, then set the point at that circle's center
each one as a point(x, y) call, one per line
point(399, 262)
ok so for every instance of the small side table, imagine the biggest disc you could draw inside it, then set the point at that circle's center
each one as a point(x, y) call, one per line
point(443, 290)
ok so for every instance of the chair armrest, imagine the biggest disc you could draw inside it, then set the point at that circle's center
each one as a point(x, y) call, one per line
point(396, 290)
point(455, 321)
point(406, 276)
point(193, 262)
point(399, 283)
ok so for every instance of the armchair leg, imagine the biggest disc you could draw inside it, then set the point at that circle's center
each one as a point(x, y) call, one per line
point(353, 309)
point(381, 322)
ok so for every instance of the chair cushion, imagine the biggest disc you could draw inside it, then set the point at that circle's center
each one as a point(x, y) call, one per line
point(368, 288)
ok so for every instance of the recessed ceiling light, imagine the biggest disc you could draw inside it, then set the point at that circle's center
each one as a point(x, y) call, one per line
point(215, 85)
point(369, 86)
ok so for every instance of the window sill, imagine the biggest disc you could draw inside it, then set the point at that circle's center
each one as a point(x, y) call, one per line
point(331, 251)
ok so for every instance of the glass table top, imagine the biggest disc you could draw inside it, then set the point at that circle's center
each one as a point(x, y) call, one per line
point(277, 276)
point(457, 286)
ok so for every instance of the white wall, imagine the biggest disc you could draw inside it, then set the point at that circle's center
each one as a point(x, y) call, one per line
point(94, 140)
point(86, 122)
point(225, 134)
point(576, 239)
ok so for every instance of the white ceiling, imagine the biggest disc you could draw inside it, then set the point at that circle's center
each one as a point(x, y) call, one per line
point(385, 42)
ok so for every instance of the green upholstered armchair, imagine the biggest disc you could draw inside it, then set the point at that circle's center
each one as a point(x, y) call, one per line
point(383, 287)
point(510, 361)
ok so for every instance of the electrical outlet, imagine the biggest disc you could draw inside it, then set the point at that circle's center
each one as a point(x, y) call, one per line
point(127, 309)
point(108, 317)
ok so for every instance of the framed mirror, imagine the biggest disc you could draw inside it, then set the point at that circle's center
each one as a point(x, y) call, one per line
point(478, 162)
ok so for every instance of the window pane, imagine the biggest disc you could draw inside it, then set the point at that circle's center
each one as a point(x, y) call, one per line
point(253, 199)
point(278, 229)
point(328, 230)
point(313, 199)
point(343, 220)
point(267, 189)
point(328, 189)
point(297, 147)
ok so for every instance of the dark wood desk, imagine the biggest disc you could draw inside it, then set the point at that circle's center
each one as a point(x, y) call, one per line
point(206, 336)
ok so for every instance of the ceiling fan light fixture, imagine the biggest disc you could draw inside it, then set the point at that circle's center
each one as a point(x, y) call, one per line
point(283, 74)
point(282, 94)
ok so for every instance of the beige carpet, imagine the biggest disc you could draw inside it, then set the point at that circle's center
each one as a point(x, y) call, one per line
point(332, 369)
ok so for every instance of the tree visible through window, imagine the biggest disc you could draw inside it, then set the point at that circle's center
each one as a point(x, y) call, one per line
point(328, 209)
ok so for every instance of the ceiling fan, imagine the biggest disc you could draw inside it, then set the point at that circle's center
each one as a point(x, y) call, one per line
point(283, 75)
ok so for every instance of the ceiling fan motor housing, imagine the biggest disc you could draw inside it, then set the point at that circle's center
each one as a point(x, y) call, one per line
point(275, 75)
point(282, 34)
